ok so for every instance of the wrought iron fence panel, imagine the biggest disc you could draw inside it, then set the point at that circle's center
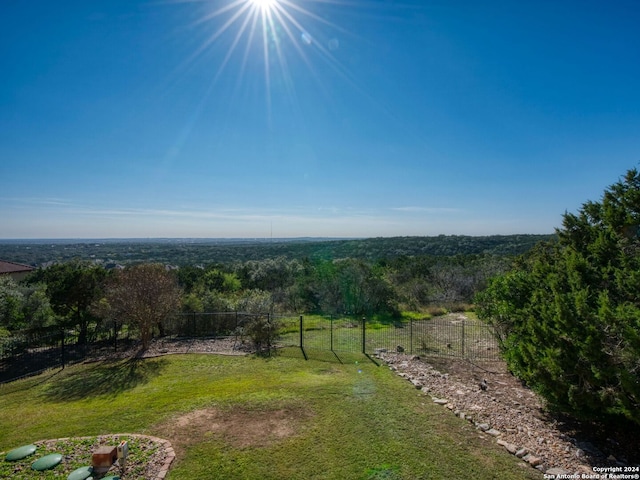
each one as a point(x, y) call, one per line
point(450, 335)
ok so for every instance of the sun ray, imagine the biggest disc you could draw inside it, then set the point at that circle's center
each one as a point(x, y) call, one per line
point(267, 71)
point(282, 60)
point(243, 6)
point(287, 29)
point(232, 48)
point(220, 11)
point(325, 53)
point(252, 31)
point(275, 28)
point(280, 5)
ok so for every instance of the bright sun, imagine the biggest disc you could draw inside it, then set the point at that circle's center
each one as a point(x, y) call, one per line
point(264, 4)
point(272, 32)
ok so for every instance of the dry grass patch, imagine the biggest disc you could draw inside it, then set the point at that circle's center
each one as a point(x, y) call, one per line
point(240, 428)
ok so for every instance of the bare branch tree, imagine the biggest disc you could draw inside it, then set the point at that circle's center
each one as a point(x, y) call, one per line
point(144, 295)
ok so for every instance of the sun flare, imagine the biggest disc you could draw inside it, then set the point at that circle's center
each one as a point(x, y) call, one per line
point(264, 4)
point(274, 35)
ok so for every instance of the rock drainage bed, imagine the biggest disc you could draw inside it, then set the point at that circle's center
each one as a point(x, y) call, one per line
point(502, 409)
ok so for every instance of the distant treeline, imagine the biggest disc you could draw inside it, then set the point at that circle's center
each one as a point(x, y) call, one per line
point(202, 251)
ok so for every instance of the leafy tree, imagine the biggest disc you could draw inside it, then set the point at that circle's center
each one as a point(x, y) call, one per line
point(300, 297)
point(11, 302)
point(144, 295)
point(24, 306)
point(569, 312)
point(269, 275)
point(189, 277)
point(255, 301)
point(72, 289)
point(326, 288)
point(37, 311)
point(445, 281)
point(221, 281)
point(192, 303)
point(213, 301)
point(354, 286)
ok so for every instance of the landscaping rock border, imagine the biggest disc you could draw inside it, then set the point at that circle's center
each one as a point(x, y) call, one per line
point(502, 408)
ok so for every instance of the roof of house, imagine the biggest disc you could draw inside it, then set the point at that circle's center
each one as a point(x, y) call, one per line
point(12, 267)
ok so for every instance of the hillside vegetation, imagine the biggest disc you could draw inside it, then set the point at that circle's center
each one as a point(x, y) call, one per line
point(202, 251)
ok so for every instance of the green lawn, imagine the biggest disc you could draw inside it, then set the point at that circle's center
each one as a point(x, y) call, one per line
point(255, 418)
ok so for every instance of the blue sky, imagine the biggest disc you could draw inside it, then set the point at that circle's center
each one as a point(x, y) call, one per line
point(358, 119)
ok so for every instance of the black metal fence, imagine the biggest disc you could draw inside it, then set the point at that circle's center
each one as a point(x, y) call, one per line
point(450, 336)
point(27, 353)
point(30, 352)
point(216, 324)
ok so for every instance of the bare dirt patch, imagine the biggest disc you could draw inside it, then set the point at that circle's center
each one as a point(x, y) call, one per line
point(240, 428)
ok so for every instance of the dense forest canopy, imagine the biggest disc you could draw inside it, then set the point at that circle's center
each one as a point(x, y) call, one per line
point(202, 251)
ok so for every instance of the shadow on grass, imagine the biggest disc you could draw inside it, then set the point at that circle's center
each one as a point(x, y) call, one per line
point(27, 383)
point(106, 378)
point(324, 355)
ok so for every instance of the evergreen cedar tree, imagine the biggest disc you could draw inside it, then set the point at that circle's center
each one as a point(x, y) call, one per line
point(568, 313)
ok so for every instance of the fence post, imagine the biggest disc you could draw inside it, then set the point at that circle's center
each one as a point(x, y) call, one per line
point(304, 354)
point(411, 336)
point(115, 335)
point(62, 359)
point(364, 328)
point(463, 339)
point(331, 331)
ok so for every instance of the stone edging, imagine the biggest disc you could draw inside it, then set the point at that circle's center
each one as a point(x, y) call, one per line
point(168, 450)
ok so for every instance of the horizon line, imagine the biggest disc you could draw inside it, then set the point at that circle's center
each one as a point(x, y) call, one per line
point(266, 239)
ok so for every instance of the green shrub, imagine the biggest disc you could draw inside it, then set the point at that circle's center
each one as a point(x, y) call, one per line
point(13, 344)
point(436, 311)
point(263, 331)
